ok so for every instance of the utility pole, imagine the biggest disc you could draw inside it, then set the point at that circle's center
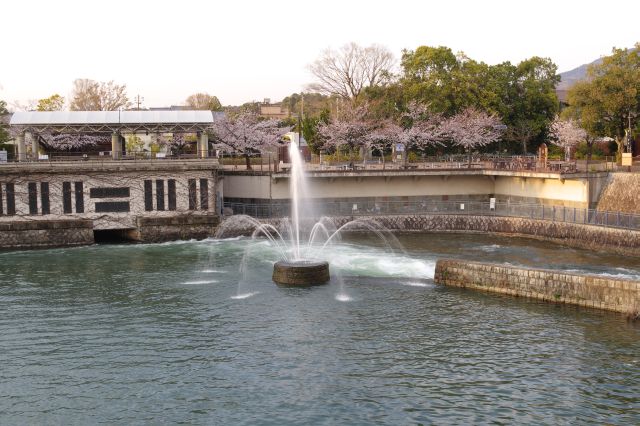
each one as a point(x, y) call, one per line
point(138, 100)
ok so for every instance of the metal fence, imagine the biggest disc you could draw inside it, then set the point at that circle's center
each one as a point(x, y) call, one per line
point(106, 156)
point(270, 163)
point(369, 208)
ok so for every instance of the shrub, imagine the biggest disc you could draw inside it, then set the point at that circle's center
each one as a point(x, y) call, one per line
point(582, 150)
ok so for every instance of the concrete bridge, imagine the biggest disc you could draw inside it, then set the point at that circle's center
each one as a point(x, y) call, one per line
point(580, 190)
point(77, 202)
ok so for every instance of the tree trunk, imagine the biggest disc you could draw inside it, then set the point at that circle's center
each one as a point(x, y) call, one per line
point(469, 163)
point(248, 161)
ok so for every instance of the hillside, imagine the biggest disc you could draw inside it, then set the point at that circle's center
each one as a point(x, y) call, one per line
point(568, 78)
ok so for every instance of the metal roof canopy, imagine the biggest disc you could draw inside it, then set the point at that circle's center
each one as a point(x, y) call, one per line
point(112, 121)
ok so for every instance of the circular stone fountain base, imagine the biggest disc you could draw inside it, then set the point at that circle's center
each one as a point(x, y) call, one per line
point(301, 273)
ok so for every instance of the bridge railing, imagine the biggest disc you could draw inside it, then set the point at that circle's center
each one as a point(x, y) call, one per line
point(106, 156)
point(373, 208)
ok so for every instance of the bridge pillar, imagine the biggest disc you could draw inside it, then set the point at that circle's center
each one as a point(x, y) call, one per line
point(115, 146)
point(203, 145)
point(22, 149)
point(34, 146)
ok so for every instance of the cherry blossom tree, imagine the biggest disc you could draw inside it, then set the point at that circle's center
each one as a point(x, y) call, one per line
point(420, 128)
point(246, 133)
point(383, 136)
point(566, 134)
point(471, 129)
point(351, 130)
point(71, 142)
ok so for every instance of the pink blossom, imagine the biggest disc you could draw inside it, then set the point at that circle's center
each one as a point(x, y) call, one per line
point(246, 132)
point(472, 128)
point(566, 134)
point(71, 141)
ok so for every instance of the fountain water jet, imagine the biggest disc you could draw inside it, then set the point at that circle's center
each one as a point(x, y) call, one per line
point(300, 262)
point(299, 271)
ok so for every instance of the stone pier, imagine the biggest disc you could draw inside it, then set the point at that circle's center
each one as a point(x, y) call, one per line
point(549, 285)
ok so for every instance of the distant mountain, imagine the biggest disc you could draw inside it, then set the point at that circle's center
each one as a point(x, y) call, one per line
point(569, 78)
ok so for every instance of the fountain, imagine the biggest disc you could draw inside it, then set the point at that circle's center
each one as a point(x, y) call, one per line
point(301, 272)
point(300, 253)
point(298, 271)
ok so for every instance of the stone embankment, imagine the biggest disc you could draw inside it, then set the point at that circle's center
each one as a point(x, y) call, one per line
point(174, 228)
point(621, 194)
point(619, 241)
point(549, 285)
point(50, 233)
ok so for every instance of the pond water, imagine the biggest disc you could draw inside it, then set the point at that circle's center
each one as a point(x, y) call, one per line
point(165, 333)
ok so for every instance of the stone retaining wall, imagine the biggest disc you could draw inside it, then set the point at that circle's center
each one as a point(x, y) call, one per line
point(621, 193)
point(154, 229)
point(620, 241)
point(49, 233)
point(553, 286)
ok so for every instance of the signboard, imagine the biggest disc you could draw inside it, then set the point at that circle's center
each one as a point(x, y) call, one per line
point(399, 147)
point(492, 203)
point(3, 156)
point(627, 160)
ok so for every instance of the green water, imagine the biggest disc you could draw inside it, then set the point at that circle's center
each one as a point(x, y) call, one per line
point(168, 333)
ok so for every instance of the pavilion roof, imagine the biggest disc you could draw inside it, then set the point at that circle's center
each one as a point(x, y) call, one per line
point(112, 121)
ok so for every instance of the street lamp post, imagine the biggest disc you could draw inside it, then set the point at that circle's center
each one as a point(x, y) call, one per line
point(502, 128)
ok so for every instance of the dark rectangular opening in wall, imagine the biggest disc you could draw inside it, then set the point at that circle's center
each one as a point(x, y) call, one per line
point(79, 197)
point(159, 194)
point(193, 195)
point(148, 195)
point(114, 236)
point(44, 197)
point(114, 192)
point(112, 207)
point(11, 199)
point(66, 197)
point(171, 189)
point(204, 194)
point(33, 197)
point(1, 204)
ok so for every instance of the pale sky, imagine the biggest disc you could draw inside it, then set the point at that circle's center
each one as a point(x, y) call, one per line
point(244, 50)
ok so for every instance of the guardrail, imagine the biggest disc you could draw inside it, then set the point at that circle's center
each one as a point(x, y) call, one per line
point(269, 163)
point(373, 208)
point(514, 163)
point(105, 157)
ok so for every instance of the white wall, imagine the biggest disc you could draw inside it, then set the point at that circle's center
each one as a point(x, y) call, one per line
point(574, 192)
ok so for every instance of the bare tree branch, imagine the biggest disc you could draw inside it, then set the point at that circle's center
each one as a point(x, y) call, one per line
point(348, 71)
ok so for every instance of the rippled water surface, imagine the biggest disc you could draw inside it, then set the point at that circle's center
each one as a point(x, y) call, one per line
point(166, 333)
